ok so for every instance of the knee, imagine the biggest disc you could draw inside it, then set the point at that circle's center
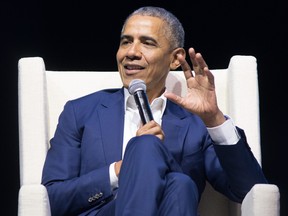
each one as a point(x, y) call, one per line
point(145, 143)
point(183, 184)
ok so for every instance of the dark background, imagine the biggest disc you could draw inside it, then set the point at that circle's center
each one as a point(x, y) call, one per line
point(84, 35)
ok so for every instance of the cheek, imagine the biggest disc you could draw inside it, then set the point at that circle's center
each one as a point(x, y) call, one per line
point(155, 59)
point(160, 64)
point(119, 56)
point(158, 71)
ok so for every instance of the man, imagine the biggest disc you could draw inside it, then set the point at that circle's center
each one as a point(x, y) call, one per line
point(103, 161)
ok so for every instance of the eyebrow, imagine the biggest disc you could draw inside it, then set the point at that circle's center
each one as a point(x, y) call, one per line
point(145, 38)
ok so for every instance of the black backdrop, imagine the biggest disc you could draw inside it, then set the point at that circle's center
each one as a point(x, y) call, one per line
point(84, 35)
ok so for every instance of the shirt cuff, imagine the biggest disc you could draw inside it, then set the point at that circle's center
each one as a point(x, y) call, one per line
point(224, 134)
point(113, 177)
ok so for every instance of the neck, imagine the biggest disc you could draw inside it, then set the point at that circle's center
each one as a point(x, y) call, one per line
point(154, 94)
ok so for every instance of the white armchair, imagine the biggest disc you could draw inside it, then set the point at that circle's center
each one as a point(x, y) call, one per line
point(42, 94)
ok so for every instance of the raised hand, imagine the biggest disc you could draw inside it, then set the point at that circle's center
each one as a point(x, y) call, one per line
point(201, 96)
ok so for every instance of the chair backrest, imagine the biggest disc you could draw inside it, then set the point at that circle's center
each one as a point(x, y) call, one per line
point(42, 94)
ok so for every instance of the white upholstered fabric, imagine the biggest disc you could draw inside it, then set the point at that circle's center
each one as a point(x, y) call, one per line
point(42, 94)
point(253, 204)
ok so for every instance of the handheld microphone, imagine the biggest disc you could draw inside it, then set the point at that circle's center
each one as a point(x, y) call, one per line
point(137, 88)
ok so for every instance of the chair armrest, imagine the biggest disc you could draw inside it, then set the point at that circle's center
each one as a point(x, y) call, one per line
point(33, 201)
point(262, 199)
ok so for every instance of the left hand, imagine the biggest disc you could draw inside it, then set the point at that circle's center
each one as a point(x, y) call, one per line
point(151, 127)
point(201, 96)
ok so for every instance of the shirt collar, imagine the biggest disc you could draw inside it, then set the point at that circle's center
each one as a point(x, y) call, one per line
point(157, 103)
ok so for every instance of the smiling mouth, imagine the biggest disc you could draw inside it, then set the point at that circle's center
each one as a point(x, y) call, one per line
point(132, 69)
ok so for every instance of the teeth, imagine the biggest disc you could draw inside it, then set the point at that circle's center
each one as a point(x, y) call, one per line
point(133, 68)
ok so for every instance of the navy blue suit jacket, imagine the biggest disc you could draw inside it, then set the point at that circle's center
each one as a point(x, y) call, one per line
point(89, 138)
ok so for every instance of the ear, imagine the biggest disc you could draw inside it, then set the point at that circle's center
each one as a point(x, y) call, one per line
point(174, 61)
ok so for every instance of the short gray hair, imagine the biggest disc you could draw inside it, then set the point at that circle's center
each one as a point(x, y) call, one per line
point(174, 31)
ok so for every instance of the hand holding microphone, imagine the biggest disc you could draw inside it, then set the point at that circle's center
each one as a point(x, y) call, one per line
point(137, 88)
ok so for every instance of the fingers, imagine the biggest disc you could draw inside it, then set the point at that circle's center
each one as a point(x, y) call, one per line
point(185, 67)
point(174, 98)
point(117, 167)
point(153, 128)
point(199, 65)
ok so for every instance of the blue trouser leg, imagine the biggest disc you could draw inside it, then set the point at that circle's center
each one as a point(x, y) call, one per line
point(152, 183)
point(180, 196)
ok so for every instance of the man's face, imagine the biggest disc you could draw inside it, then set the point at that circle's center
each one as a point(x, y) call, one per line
point(144, 53)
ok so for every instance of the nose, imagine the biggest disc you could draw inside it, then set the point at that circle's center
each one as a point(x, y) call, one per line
point(134, 51)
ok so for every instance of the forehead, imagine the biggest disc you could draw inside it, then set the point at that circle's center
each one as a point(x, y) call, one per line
point(147, 25)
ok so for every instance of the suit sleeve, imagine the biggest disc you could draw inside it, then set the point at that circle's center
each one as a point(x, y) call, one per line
point(240, 172)
point(71, 191)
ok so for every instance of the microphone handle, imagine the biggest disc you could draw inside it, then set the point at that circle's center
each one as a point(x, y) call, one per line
point(143, 106)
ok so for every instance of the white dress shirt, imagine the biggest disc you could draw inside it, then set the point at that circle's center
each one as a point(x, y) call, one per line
point(225, 134)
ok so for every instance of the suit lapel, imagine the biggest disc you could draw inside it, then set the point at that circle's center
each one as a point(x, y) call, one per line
point(111, 115)
point(175, 129)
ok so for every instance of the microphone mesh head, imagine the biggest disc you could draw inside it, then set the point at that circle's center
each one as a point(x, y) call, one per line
point(136, 85)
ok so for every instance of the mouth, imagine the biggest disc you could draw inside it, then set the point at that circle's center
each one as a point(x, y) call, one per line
point(132, 69)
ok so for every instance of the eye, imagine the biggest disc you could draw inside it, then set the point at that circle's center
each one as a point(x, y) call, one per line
point(124, 42)
point(149, 43)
